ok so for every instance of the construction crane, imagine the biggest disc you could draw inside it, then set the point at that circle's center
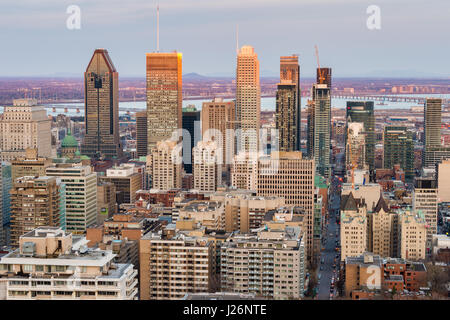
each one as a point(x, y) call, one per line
point(321, 77)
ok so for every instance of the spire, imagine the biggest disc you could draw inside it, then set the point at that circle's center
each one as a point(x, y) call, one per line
point(157, 27)
point(237, 39)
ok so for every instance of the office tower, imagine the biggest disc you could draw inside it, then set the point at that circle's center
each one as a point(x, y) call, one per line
point(24, 125)
point(413, 235)
point(353, 226)
point(191, 273)
point(50, 264)
point(35, 202)
point(287, 116)
point(425, 200)
point(321, 97)
point(29, 165)
point(106, 200)
point(81, 195)
point(101, 100)
point(191, 123)
point(288, 175)
point(432, 122)
point(433, 155)
point(399, 149)
point(126, 180)
point(166, 166)
point(355, 149)
point(290, 73)
point(276, 261)
point(221, 116)
point(243, 211)
point(248, 100)
point(141, 133)
point(207, 166)
point(5, 202)
point(363, 111)
point(323, 76)
point(164, 96)
point(244, 171)
point(443, 181)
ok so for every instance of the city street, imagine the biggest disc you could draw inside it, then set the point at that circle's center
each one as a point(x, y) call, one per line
point(329, 254)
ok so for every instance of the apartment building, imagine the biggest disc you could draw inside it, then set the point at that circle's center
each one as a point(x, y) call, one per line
point(211, 214)
point(270, 264)
point(425, 200)
point(166, 166)
point(353, 226)
point(244, 171)
point(413, 235)
point(29, 165)
point(173, 264)
point(36, 202)
point(207, 166)
point(51, 264)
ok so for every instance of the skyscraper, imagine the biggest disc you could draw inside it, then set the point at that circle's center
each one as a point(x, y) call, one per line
point(399, 149)
point(191, 123)
point(164, 96)
point(101, 99)
point(141, 133)
point(321, 97)
point(355, 148)
point(290, 72)
point(287, 116)
point(362, 111)
point(432, 122)
point(248, 99)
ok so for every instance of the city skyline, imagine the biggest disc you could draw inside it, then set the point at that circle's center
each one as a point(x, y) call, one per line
point(260, 25)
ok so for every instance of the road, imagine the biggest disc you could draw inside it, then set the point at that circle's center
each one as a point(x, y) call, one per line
point(329, 254)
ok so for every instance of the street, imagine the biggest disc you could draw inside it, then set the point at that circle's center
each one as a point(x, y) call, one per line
point(329, 253)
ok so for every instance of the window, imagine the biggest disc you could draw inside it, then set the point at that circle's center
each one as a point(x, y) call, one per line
point(27, 268)
point(39, 268)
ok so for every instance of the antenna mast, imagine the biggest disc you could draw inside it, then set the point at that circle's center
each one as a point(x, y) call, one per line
point(157, 28)
point(237, 39)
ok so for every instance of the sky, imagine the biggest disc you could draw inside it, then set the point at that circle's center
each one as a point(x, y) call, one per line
point(413, 39)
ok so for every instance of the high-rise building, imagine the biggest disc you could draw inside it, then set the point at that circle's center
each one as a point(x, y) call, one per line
point(353, 226)
point(106, 200)
point(244, 171)
point(81, 195)
point(51, 264)
point(164, 96)
point(276, 260)
point(355, 149)
point(221, 116)
point(287, 119)
point(126, 179)
point(310, 114)
point(29, 165)
point(190, 261)
point(413, 235)
point(248, 99)
point(323, 76)
point(101, 99)
point(288, 175)
point(207, 166)
point(166, 166)
point(5, 202)
point(425, 200)
point(443, 181)
point(362, 111)
point(432, 122)
point(288, 103)
point(321, 97)
point(141, 133)
point(191, 123)
point(35, 202)
point(24, 125)
point(399, 149)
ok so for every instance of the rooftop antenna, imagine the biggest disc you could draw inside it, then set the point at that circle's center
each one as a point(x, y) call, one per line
point(157, 27)
point(237, 39)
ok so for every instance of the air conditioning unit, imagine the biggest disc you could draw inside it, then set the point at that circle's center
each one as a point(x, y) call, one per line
point(28, 249)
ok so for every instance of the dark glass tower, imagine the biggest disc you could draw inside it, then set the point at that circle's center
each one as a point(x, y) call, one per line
point(101, 99)
point(362, 111)
point(399, 149)
point(191, 122)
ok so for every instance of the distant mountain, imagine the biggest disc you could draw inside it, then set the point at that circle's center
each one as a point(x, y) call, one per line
point(194, 76)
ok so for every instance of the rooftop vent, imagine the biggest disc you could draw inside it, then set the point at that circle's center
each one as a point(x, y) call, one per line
point(29, 249)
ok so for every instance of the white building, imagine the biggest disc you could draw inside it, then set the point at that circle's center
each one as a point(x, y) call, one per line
point(207, 166)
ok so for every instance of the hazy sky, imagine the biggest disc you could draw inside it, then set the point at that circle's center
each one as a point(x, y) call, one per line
point(414, 39)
